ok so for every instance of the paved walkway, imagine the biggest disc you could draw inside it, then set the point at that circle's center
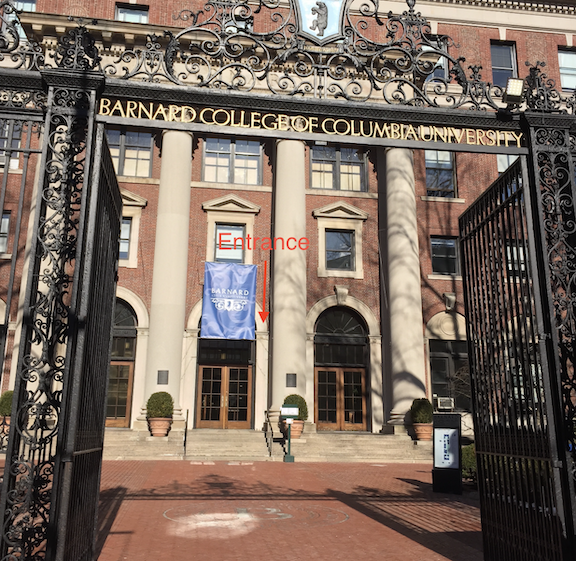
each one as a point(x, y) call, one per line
point(233, 511)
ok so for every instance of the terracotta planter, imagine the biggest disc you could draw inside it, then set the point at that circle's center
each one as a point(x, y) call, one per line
point(423, 431)
point(297, 428)
point(159, 426)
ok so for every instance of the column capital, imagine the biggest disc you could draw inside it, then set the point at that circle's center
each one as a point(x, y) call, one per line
point(279, 140)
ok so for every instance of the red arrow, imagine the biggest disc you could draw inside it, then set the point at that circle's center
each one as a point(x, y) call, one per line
point(264, 315)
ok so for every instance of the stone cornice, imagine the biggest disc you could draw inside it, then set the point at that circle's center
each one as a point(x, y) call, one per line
point(542, 7)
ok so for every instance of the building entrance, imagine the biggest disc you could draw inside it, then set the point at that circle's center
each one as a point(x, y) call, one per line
point(340, 382)
point(225, 385)
point(341, 398)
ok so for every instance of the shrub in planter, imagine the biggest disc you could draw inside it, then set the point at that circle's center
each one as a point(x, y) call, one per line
point(421, 413)
point(300, 402)
point(469, 468)
point(6, 403)
point(160, 405)
point(298, 423)
point(159, 410)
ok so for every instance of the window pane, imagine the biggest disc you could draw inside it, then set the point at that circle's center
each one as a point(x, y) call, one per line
point(217, 160)
point(226, 250)
point(246, 169)
point(567, 63)
point(351, 177)
point(323, 175)
point(4, 228)
point(132, 15)
point(339, 250)
point(444, 256)
point(439, 173)
point(505, 161)
point(502, 63)
point(125, 237)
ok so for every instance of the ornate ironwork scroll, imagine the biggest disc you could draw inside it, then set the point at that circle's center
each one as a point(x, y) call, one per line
point(354, 54)
point(48, 430)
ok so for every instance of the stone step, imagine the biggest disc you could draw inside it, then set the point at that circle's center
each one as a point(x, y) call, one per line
point(250, 445)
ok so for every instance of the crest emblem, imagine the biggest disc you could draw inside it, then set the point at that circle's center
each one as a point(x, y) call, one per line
point(320, 21)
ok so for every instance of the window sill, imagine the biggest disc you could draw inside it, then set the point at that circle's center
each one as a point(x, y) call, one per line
point(15, 171)
point(134, 179)
point(127, 263)
point(5, 256)
point(437, 276)
point(443, 199)
point(339, 193)
point(230, 186)
point(335, 273)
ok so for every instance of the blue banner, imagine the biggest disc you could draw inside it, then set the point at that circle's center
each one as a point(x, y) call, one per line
point(229, 303)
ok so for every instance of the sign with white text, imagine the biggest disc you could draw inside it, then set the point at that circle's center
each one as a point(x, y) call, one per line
point(446, 448)
point(228, 307)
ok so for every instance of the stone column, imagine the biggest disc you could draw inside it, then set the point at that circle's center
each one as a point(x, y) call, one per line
point(288, 282)
point(168, 308)
point(404, 294)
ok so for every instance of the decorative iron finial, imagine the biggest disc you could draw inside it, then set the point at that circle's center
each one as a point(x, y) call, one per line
point(77, 50)
point(411, 4)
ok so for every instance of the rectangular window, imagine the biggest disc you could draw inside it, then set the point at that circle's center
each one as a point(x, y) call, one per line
point(445, 256)
point(10, 135)
point(515, 258)
point(440, 174)
point(4, 229)
point(232, 161)
point(340, 250)
point(131, 152)
point(505, 161)
point(503, 63)
point(25, 5)
point(228, 250)
point(567, 63)
point(131, 13)
point(440, 62)
point(125, 230)
point(337, 168)
point(450, 374)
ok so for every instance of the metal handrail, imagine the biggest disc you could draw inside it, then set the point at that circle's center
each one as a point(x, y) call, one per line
point(185, 435)
point(269, 432)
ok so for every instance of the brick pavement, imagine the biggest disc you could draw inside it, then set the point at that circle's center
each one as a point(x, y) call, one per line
point(266, 510)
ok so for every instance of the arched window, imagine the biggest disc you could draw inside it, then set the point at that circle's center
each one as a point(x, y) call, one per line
point(121, 375)
point(340, 338)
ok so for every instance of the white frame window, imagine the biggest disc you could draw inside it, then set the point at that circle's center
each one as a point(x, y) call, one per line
point(132, 205)
point(440, 173)
point(503, 57)
point(337, 168)
point(444, 256)
point(340, 216)
point(131, 151)
point(131, 13)
point(125, 234)
point(504, 161)
point(10, 142)
point(567, 64)
point(4, 232)
point(229, 245)
point(340, 250)
point(236, 161)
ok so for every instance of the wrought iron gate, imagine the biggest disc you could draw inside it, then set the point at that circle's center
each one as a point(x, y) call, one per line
point(521, 425)
point(51, 481)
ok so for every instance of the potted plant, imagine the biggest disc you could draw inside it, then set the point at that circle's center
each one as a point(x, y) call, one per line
point(421, 413)
point(159, 410)
point(298, 423)
point(5, 411)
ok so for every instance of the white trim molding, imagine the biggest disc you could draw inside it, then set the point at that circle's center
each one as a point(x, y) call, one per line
point(340, 216)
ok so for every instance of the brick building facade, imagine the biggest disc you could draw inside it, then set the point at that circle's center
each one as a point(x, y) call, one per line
point(361, 341)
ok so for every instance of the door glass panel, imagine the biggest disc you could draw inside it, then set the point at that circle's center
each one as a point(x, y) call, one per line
point(238, 394)
point(211, 391)
point(353, 397)
point(118, 391)
point(327, 396)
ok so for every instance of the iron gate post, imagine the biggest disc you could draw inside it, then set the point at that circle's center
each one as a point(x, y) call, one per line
point(551, 181)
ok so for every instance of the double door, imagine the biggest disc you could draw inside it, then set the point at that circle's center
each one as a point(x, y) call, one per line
point(340, 398)
point(224, 397)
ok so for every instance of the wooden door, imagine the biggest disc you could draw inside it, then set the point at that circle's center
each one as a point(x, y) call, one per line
point(119, 398)
point(340, 402)
point(224, 397)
